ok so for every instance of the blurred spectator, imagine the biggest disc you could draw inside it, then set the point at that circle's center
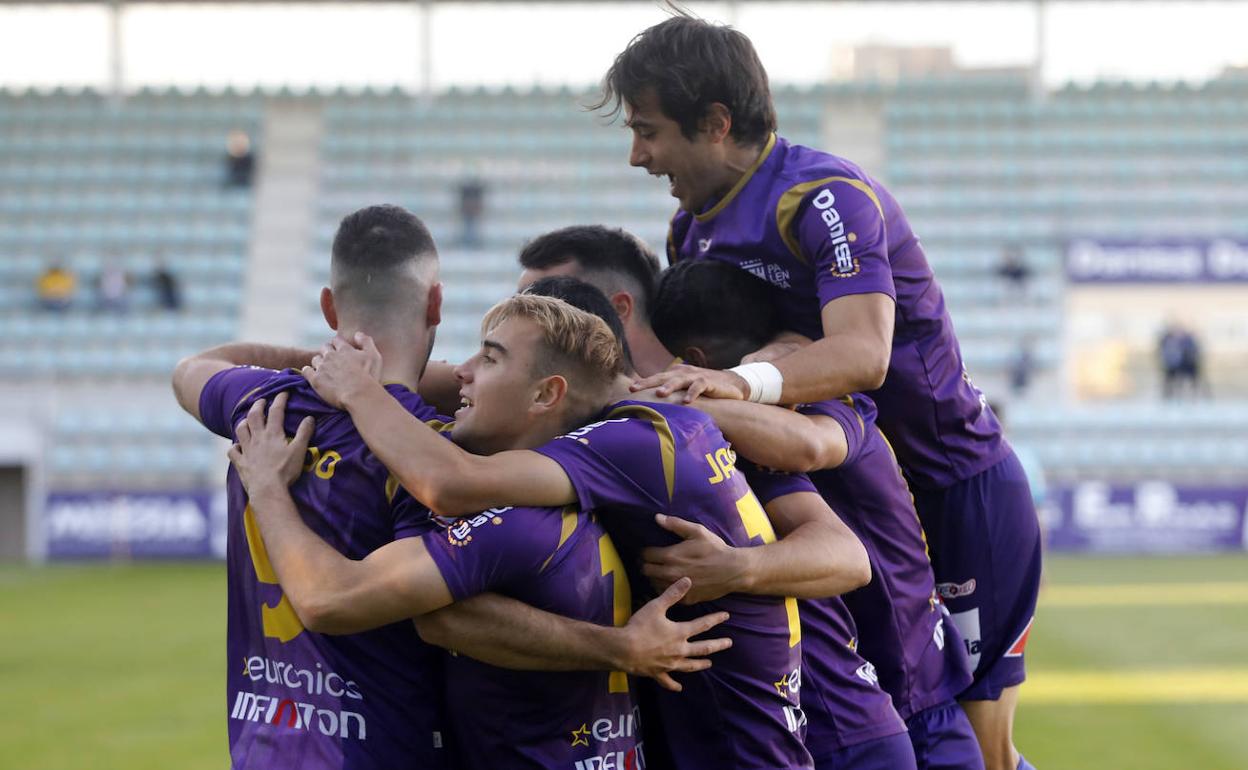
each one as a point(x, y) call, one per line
point(1180, 355)
point(168, 292)
point(1013, 270)
point(112, 288)
point(240, 163)
point(56, 288)
point(471, 207)
point(1021, 367)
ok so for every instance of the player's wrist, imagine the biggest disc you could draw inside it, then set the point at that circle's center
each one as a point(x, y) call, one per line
point(360, 391)
point(762, 380)
point(745, 561)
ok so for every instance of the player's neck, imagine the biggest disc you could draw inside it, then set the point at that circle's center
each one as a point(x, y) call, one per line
point(738, 160)
point(402, 360)
point(649, 355)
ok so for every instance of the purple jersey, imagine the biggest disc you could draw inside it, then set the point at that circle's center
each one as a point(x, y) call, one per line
point(561, 562)
point(841, 695)
point(642, 459)
point(297, 698)
point(819, 228)
point(901, 622)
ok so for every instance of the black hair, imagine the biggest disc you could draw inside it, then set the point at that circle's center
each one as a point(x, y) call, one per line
point(691, 64)
point(600, 251)
point(379, 237)
point(370, 245)
point(583, 296)
point(722, 309)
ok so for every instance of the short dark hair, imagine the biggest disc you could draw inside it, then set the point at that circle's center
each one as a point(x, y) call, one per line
point(598, 250)
point(371, 244)
point(583, 296)
point(691, 64)
point(722, 309)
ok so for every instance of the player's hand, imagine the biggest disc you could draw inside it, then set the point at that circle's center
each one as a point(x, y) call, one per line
point(695, 381)
point(785, 344)
point(659, 646)
point(343, 368)
point(263, 455)
point(702, 556)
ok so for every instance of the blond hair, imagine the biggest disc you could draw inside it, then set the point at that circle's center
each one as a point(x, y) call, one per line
point(571, 338)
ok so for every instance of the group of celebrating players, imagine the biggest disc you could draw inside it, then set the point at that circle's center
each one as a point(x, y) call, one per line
point(745, 512)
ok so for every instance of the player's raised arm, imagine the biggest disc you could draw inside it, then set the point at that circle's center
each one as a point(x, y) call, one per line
point(329, 592)
point(508, 633)
point(434, 471)
point(816, 555)
point(193, 372)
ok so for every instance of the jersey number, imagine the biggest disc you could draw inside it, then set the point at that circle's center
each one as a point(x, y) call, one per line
point(280, 621)
point(758, 525)
point(621, 599)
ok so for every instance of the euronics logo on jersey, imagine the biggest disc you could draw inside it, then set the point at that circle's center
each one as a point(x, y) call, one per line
point(847, 265)
point(285, 711)
point(606, 729)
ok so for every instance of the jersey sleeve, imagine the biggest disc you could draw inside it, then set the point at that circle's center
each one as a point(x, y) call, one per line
point(225, 391)
point(498, 547)
point(624, 463)
point(411, 518)
point(840, 230)
point(843, 411)
point(770, 484)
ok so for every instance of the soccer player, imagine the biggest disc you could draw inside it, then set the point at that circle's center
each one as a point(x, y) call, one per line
point(371, 700)
point(633, 461)
point(856, 281)
point(899, 617)
point(851, 721)
point(298, 698)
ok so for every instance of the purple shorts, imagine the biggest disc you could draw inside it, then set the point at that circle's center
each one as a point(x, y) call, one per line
point(984, 539)
point(944, 740)
point(893, 752)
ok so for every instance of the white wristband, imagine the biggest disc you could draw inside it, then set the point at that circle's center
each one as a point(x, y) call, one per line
point(764, 379)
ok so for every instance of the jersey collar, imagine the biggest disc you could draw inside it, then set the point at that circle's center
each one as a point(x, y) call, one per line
point(707, 216)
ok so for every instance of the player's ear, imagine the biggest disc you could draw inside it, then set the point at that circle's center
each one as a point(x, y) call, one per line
point(433, 308)
point(716, 122)
point(550, 393)
point(327, 308)
point(622, 301)
point(695, 356)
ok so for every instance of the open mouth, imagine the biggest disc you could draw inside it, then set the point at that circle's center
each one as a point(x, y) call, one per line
point(465, 404)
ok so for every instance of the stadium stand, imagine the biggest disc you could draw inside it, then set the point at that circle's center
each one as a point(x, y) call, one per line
point(977, 162)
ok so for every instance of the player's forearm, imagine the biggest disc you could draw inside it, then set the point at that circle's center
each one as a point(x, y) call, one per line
point(813, 561)
point(832, 367)
point(510, 634)
point(429, 467)
point(317, 579)
point(256, 354)
point(774, 437)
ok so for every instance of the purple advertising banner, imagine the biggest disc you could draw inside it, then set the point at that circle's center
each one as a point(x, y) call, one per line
point(1146, 517)
point(156, 525)
point(1219, 260)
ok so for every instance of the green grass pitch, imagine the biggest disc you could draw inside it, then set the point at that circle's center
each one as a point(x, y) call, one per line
point(120, 666)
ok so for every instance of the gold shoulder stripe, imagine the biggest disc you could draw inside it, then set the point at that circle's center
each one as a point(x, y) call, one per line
point(786, 207)
point(736, 188)
point(441, 426)
point(246, 396)
point(567, 527)
point(667, 442)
